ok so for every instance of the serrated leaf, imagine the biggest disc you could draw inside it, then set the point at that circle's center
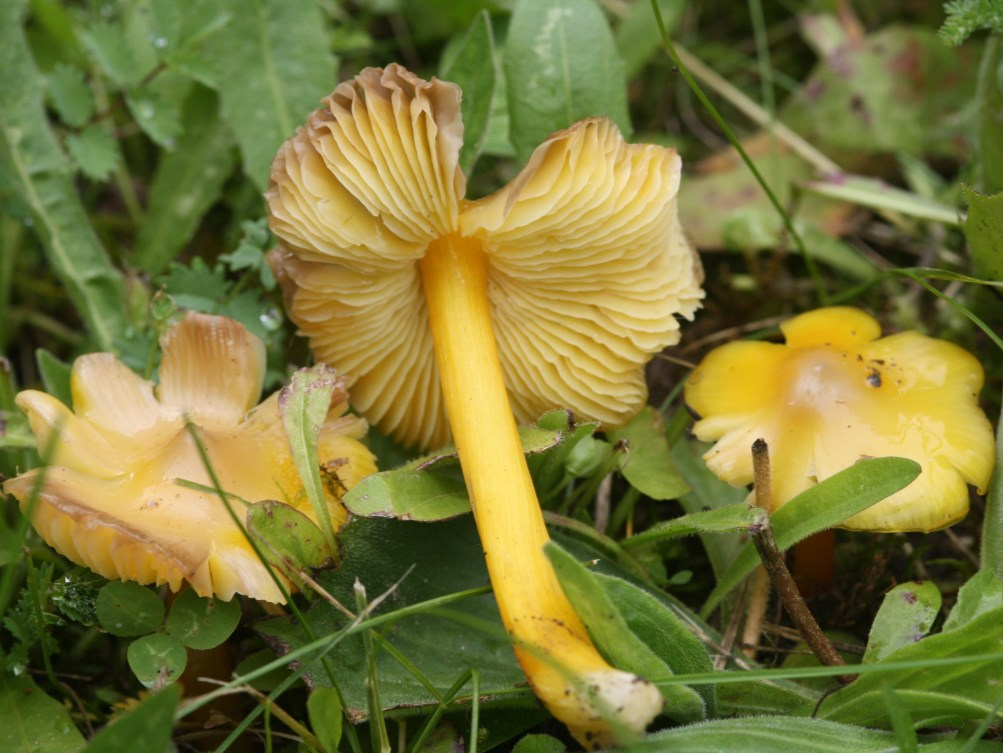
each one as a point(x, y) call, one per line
point(126, 609)
point(615, 639)
point(31, 721)
point(107, 44)
point(95, 151)
point(156, 108)
point(561, 65)
point(905, 617)
point(202, 622)
point(647, 464)
point(70, 95)
point(148, 725)
point(41, 188)
point(984, 233)
point(475, 69)
point(187, 183)
point(275, 65)
point(824, 505)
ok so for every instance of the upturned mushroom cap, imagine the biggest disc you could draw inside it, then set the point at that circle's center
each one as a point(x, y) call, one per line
point(837, 392)
point(110, 498)
point(588, 266)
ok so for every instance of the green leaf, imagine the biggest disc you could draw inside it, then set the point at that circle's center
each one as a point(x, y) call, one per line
point(785, 734)
point(55, 376)
point(988, 160)
point(638, 37)
point(984, 233)
point(70, 95)
point(31, 721)
point(982, 593)
point(156, 107)
point(737, 517)
point(42, 188)
point(275, 65)
point(647, 465)
point(435, 494)
point(148, 725)
point(303, 405)
point(561, 65)
point(188, 181)
point(876, 194)
point(991, 554)
point(157, 659)
point(202, 622)
point(965, 17)
point(824, 505)
point(326, 717)
point(966, 691)
point(95, 151)
point(905, 617)
point(288, 538)
point(549, 469)
point(107, 43)
point(615, 639)
point(416, 562)
point(475, 68)
point(126, 609)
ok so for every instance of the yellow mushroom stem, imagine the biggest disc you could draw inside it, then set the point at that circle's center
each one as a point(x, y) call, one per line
point(598, 703)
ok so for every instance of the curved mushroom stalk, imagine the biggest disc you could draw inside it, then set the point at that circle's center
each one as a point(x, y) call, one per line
point(552, 292)
point(552, 645)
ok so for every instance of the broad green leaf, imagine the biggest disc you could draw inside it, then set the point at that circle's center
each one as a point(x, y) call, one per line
point(984, 233)
point(275, 66)
point(825, 505)
point(288, 538)
point(156, 107)
point(475, 68)
point(55, 376)
point(992, 525)
point(786, 734)
point(157, 659)
point(417, 562)
point(989, 100)
point(95, 151)
point(126, 608)
point(966, 691)
point(647, 465)
point(615, 639)
point(70, 95)
point(188, 181)
point(42, 188)
point(549, 469)
point(303, 405)
point(638, 37)
point(982, 592)
point(733, 518)
point(326, 717)
point(589, 456)
point(762, 697)
point(905, 617)
point(561, 65)
point(435, 494)
point(31, 721)
point(106, 41)
point(147, 726)
point(202, 622)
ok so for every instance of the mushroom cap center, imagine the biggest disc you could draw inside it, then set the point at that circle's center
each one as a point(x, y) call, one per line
point(820, 379)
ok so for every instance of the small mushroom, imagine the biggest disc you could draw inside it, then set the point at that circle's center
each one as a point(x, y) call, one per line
point(113, 496)
point(552, 292)
point(837, 392)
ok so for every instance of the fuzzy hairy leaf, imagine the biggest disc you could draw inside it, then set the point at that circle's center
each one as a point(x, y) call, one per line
point(70, 95)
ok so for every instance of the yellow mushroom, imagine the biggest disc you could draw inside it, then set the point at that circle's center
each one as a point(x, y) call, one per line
point(110, 498)
point(552, 292)
point(837, 392)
